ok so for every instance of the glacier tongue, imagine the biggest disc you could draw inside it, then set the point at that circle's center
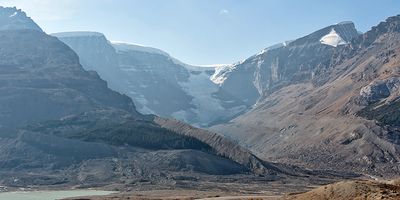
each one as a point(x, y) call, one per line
point(332, 39)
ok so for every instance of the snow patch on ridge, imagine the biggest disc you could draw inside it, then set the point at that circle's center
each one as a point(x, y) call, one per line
point(276, 46)
point(222, 71)
point(332, 39)
point(77, 34)
point(124, 46)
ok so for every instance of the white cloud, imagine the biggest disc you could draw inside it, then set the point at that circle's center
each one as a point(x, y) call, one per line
point(224, 12)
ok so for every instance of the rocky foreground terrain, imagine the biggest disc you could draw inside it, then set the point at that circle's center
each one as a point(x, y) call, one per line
point(352, 190)
point(344, 190)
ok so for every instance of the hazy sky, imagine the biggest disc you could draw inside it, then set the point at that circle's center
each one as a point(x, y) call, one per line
point(204, 31)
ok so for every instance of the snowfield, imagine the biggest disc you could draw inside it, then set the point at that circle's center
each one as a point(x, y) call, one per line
point(333, 39)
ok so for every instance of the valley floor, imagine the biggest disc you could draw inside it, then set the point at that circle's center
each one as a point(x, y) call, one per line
point(178, 195)
point(343, 190)
point(215, 187)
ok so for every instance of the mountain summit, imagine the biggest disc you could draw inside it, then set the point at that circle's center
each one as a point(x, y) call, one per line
point(346, 31)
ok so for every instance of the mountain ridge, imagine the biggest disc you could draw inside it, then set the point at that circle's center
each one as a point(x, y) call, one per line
point(336, 117)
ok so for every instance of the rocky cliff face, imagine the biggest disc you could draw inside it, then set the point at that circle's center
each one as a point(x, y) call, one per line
point(295, 61)
point(101, 59)
point(328, 107)
point(42, 79)
point(157, 83)
point(153, 78)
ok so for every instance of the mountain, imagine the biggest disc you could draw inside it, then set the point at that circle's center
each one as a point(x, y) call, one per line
point(61, 125)
point(157, 83)
point(328, 100)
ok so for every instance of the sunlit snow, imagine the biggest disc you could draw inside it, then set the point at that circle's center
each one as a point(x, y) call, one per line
point(78, 34)
point(125, 46)
point(220, 74)
point(332, 39)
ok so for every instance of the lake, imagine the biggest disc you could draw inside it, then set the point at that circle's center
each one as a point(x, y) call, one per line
point(49, 195)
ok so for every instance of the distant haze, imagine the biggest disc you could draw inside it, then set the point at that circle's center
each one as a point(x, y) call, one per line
point(203, 31)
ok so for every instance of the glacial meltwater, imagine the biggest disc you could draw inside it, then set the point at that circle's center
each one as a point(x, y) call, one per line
point(49, 195)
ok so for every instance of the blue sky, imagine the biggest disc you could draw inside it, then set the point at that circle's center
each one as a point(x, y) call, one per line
point(204, 31)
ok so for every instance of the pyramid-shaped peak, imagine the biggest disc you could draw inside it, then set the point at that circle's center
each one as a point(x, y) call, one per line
point(338, 34)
